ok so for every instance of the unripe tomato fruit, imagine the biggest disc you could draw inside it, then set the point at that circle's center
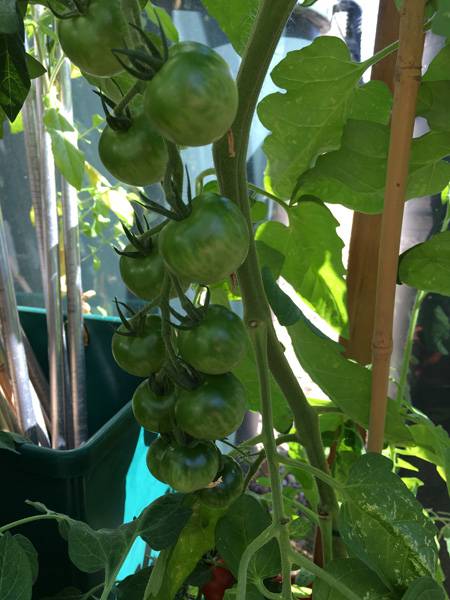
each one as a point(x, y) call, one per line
point(143, 275)
point(152, 411)
point(88, 39)
point(229, 487)
point(140, 354)
point(193, 99)
point(212, 410)
point(217, 344)
point(209, 244)
point(155, 457)
point(137, 155)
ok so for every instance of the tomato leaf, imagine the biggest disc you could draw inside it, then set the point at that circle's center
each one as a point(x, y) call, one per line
point(16, 577)
point(235, 17)
point(161, 523)
point(372, 102)
point(355, 175)
point(357, 576)
point(247, 374)
point(35, 68)
point(133, 586)
point(10, 21)
point(167, 24)
point(383, 524)
point(441, 21)
point(320, 82)
point(426, 266)
point(425, 588)
point(345, 382)
point(14, 78)
point(245, 519)
point(31, 553)
point(312, 259)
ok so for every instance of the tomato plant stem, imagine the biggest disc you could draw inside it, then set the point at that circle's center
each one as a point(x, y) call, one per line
point(128, 97)
point(258, 334)
point(403, 116)
point(26, 520)
point(232, 176)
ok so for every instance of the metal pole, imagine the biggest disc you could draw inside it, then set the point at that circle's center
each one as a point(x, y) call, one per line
point(73, 285)
point(55, 329)
point(15, 352)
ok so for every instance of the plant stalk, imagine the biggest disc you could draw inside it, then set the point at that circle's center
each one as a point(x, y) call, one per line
point(231, 170)
point(408, 77)
point(258, 335)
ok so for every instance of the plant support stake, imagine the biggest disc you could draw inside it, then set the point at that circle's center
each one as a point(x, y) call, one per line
point(15, 352)
point(52, 291)
point(73, 285)
point(408, 74)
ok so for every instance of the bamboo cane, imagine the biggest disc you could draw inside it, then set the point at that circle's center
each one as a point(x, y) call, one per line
point(15, 352)
point(56, 352)
point(74, 285)
point(365, 237)
point(408, 74)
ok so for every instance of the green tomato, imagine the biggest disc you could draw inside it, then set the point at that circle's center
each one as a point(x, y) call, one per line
point(87, 40)
point(155, 457)
point(152, 411)
point(193, 99)
point(143, 275)
point(137, 155)
point(190, 468)
point(140, 354)
point(209, 244)
point(214, 409)
point(217, 344)
point(230, 485)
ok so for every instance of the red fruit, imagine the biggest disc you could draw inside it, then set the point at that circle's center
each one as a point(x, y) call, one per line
point(221, 580)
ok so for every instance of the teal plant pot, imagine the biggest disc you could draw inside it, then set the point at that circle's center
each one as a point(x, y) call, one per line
point(104, 483)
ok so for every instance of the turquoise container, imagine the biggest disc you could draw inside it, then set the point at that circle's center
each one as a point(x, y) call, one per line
point(104, 483)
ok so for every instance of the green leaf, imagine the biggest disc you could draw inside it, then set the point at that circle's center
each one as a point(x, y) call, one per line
point(245, 519)
point(432, 444)
point(133, 586)
point(306, 121)
point(68, 158)
point(384, 525)
point(94, 550)
point(312, 263)
point(10, 21)
point(287, 313)
point(425, 588)
point(31, 553)
point(196, 539)
point(246, 372)
point(355, 575)
point(252, 593)
point(235, 17)
point(53, 119)
point(426, 266)
point(372, 102)
point(16, 578)
point(162, 522)
point(167, 24)
point(9, 441)
point(432, 104)
point(14, 78)
point(355, 175)
point(35, 68)
point(346, 383)
point(441, 21)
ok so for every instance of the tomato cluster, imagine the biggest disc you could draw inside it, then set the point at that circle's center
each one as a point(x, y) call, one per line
point(185, 96)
